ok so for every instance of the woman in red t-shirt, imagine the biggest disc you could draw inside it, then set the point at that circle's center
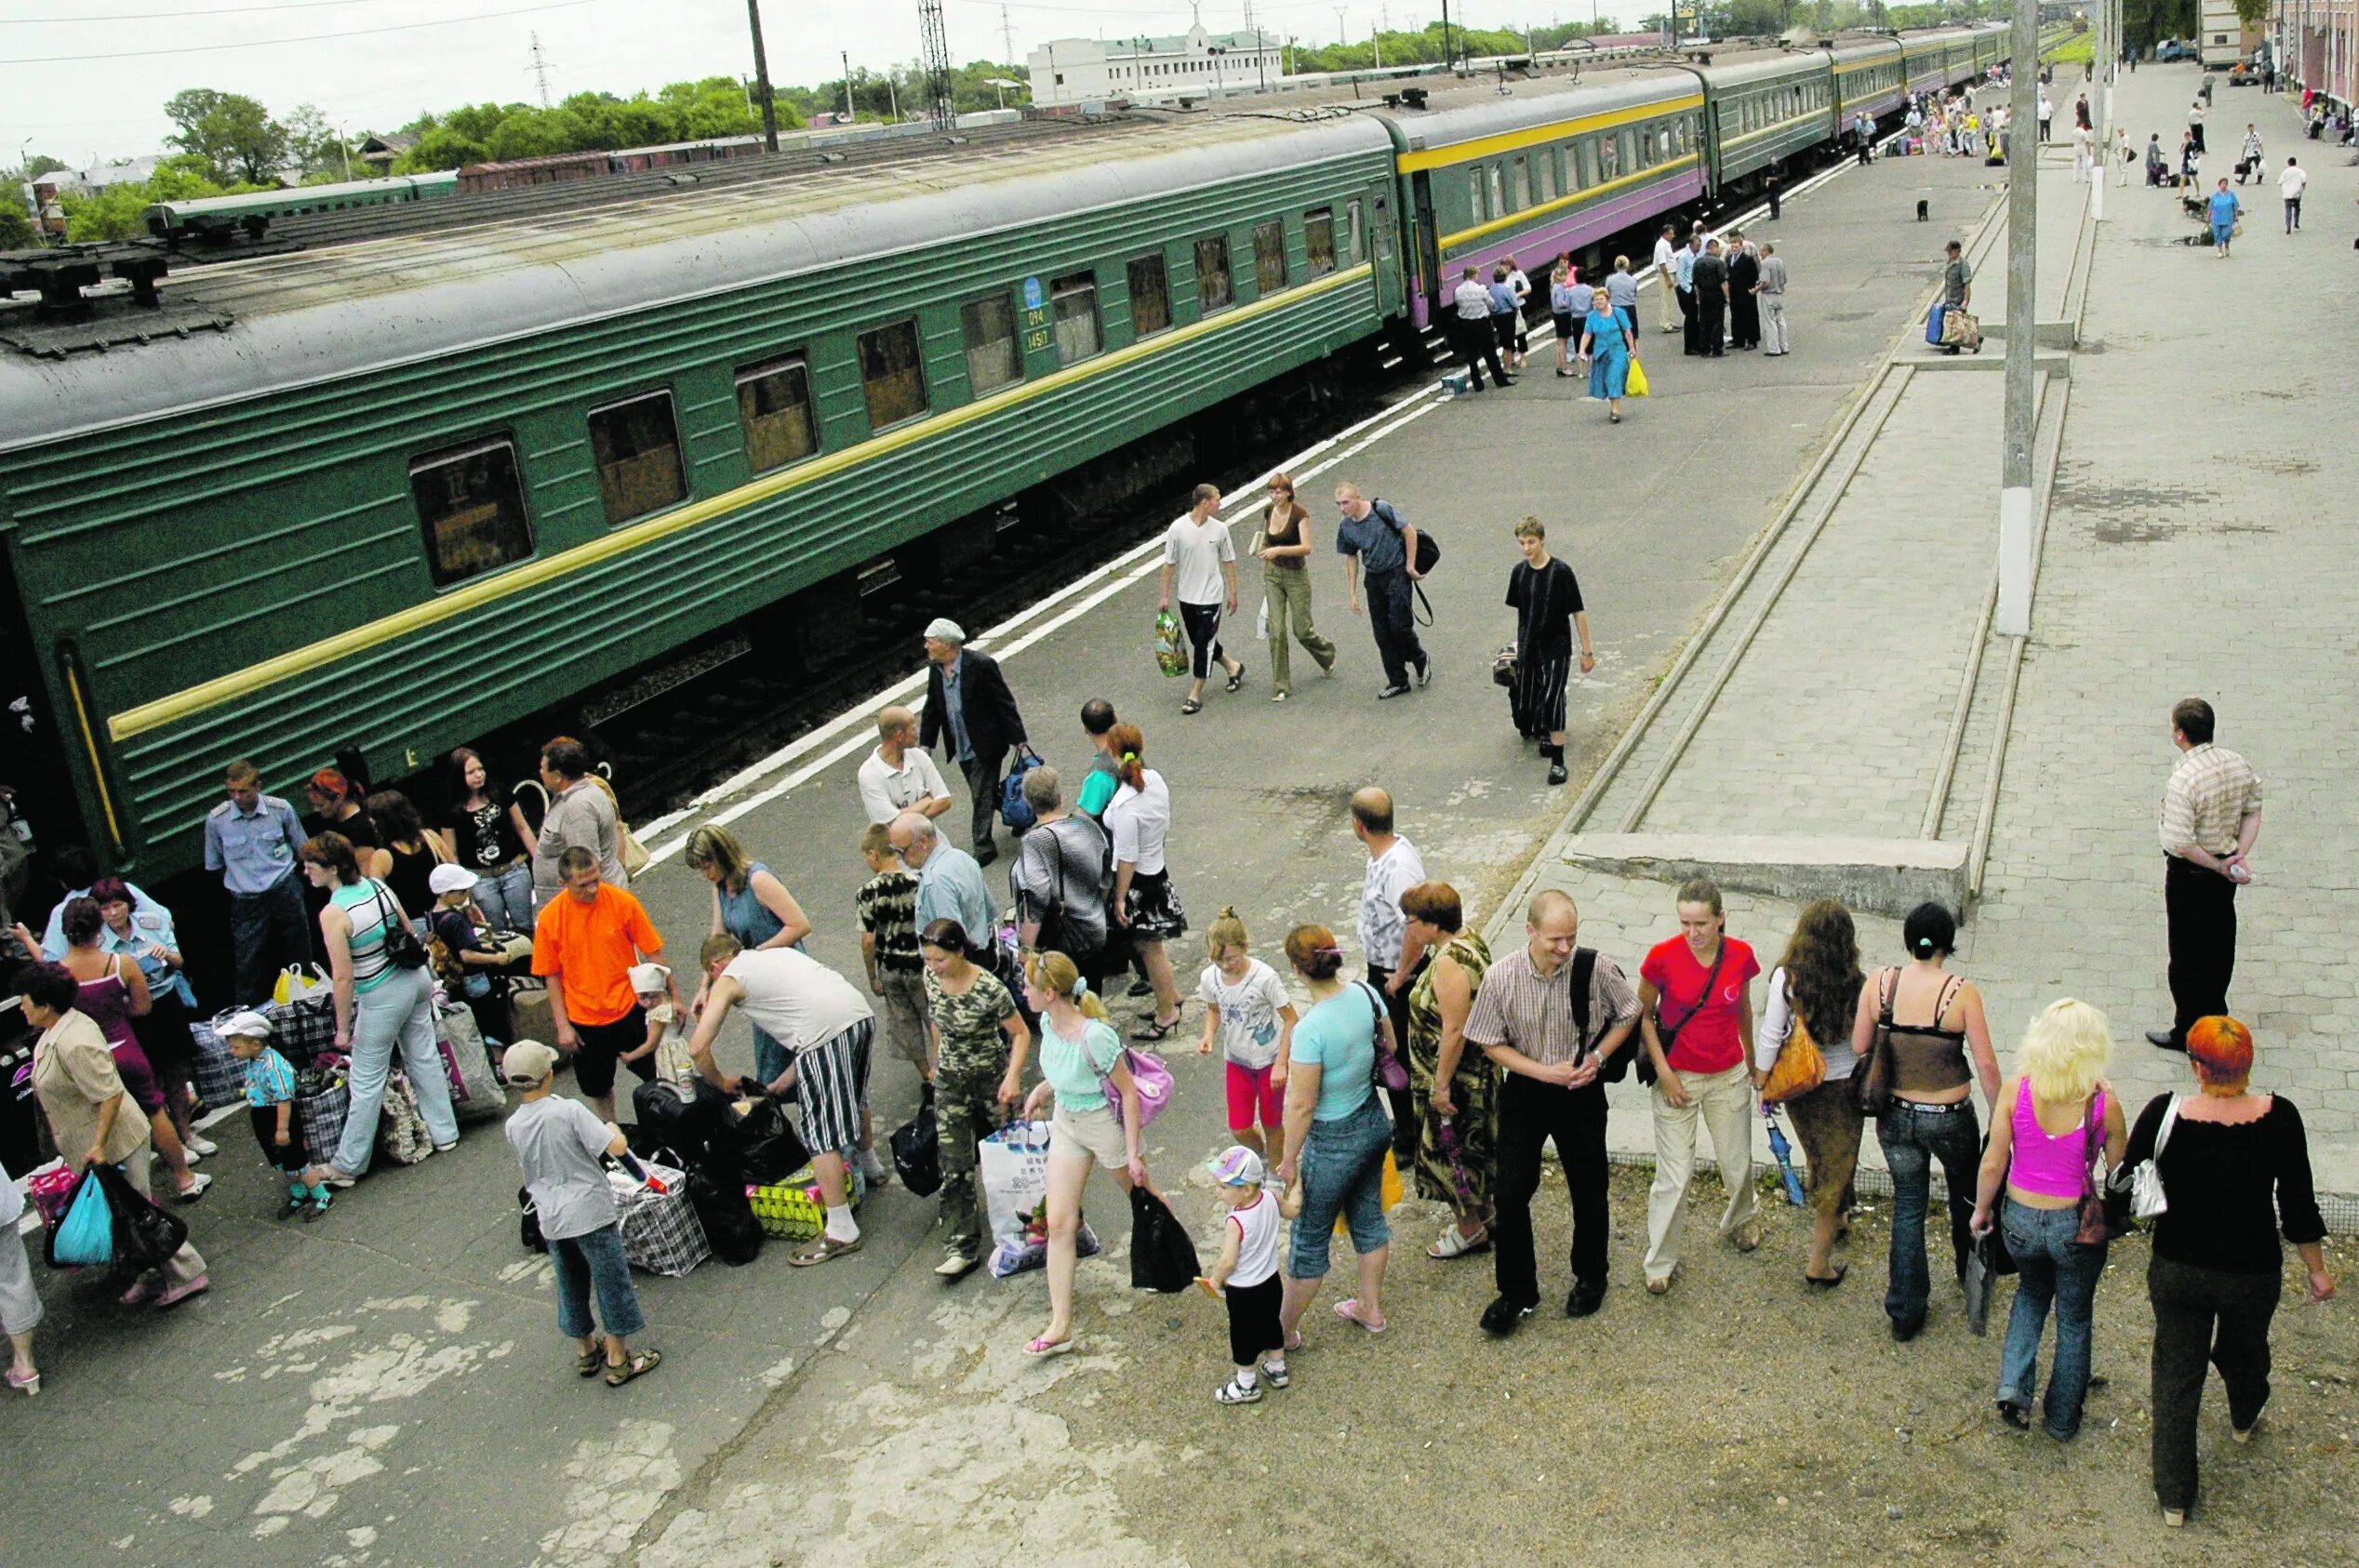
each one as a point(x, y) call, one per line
point(1695, 1005)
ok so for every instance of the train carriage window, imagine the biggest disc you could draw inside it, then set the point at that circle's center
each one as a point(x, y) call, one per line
point(892, 378)
point(636, 446)
point(774, 408)
point(994, 359)
point(1663, 144)
point(1610, 157)
point(1498, 191)
point(1213, 291)
point(1150, 297)
point(472, 507)
point(1073, 298)
point(1268, 256)
point(1318, 240)
point(1548, 174)
point(1580, 165)
point(1356, 233)
point(1474, 192)
point(1520, 186)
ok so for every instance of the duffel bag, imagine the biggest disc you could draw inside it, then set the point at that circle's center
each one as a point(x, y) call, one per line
point(729, 1225)
point(529, 1014)
point(660, 1231)
point(476, 1090)
point(302, 1029)
point(219, 1077)
point(323, 1103)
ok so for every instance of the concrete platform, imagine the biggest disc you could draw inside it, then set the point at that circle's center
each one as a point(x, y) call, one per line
point(1888, 876)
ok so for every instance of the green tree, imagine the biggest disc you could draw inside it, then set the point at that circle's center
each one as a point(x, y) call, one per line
point(37, 165)
point(442, 148)
point(232, 133)
point(2252, 13)
point(17, 232)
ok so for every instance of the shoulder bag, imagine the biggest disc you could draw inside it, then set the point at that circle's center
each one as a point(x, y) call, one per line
point(1668, 1033)
point(2147, 1200)
point(2094, 1232)
point(1386, 1071)
point(1148, 1075)
point(403, 949)
point(1801, 1066)
point(1872, 1080)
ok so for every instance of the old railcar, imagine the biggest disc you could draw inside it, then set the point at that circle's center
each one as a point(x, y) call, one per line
point(205, 215)
point(1766, 107)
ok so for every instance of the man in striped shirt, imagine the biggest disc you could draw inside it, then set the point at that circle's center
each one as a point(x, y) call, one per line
point(1550, 1014)
point(2211, 814)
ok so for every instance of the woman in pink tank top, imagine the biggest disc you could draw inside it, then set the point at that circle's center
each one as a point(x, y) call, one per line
point(2048, 1125)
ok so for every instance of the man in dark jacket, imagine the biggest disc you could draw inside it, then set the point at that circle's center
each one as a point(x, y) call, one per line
point(1744, 310)
point(967, 701)
point(1712, 300)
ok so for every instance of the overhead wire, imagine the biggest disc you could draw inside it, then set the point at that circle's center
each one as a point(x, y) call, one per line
point(303, 39)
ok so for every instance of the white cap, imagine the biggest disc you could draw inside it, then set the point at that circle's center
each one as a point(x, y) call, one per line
point(447, 878)
point(650, 977)
point(942, 629)
point(251, 1025)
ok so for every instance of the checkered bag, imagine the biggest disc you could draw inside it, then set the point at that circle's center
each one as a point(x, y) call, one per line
point(302, 1029)
point(660, 1231)
point(219, 1077)
point(322, 1104)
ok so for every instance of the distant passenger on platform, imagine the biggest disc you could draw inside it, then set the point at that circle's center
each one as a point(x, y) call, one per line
point(1098, 789)
point(1377, 542)
point(580, 815)
point(1471, 325)
point(1200, 561)
point(1621, 294)
point(1545, 596)
point(1563, 298)
point(2210, 817)
point(1286, 586)
point(1668, 313)
point(1684, 281)
point(1710, 280)
point(2251, 158)
point(1771, 292)
point(252, 840)
point(967, 701)
point(2290, 185)
point(484, 831)
point(1606, 347)
point(1389, 948)
point(899, 776)
point(1744, 310)
point(886, 907)
point(1506, 318)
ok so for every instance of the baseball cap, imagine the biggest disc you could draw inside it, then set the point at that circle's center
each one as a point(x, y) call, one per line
point(447, 878)
point(1238, 1166)
point(527, 1063)
point(650, 976)
point(250, 1024)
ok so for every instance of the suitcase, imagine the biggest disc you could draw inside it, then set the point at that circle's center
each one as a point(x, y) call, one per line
point(1960, 329)
point(660, 1231)
point(529, 1006)
point(1933, 324)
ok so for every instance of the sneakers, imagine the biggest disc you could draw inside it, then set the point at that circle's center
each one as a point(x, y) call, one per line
point(190, 1154)
point(1391, 692)
point(194, 1189)
point(199, 1144)
point(1425, 672)
point(446, 1148)
point(1504, 1317)
point(1235, 1393)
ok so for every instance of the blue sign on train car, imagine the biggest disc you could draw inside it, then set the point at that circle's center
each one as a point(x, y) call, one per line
point(1032, 294)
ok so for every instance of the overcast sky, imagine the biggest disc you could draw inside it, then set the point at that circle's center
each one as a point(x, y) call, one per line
point(94, 86)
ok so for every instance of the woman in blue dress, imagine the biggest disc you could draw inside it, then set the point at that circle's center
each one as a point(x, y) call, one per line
point(1606, 343)
point(2225, 209)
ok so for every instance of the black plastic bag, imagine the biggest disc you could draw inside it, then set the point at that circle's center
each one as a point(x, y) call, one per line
point(1162, 1257)
point(528, 1228)
point(727, 1216)
point(766, 1147)
point(917, 1153)
point(685, 1118)
point(144, 1235)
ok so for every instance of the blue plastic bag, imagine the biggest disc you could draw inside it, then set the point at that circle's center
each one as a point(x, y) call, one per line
point(86, 1235)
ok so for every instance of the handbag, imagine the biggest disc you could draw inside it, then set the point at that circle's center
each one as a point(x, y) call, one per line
point(1386, 1071)
point(1503, 668)
point(403, 949)
point(1800, 1068)
point(84, 1235)
point(1667, 1034)
point(1148, 1076)
point(2093, 1229)
point(1171, 644)
point(1872, 1082)
point(2147, 1200)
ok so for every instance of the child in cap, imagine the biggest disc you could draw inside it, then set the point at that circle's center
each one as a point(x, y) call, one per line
point(558, 1143)
point(1246, 1008)
point(1247, 1276)
point(269, 1105)
point(472, 967)
point(665, 1040)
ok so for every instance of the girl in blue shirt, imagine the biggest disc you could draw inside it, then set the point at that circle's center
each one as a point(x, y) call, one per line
point(1336, 1132)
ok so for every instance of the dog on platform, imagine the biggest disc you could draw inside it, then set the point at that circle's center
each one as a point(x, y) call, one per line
point(1922, 215)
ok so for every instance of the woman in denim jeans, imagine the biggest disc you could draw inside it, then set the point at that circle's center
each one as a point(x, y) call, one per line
point(1336, 1121)
point(486, 832)
point(1936, 1027)
point(2041, 1130)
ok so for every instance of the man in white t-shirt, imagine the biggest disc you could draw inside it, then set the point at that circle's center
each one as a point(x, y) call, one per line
point(823, 1019)
point(898, 775)
point(1667, 274)
point(2290, 185)
point(1388, 951)
point(1200, 562)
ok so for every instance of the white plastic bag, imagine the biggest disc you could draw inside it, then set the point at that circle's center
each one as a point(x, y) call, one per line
point(1261, 625)
point(294, 984)
point(1014, 1165)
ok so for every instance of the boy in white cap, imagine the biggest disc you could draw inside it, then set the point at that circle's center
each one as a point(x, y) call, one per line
point(1247, 1276)
point(472, 966)
point(558, 1143)
point(270, 1104)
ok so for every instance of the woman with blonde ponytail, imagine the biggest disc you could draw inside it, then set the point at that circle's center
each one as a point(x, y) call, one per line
point(1081, 1059)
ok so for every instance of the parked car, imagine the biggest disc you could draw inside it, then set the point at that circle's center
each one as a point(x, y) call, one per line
point(2171, 50)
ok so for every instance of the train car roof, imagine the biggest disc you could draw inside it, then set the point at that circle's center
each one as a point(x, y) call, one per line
point(1737, 68)
point(309, 315)
point(1475, 111)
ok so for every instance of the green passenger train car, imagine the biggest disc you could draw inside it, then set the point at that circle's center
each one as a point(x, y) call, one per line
point(413, 484)
point(202, 216)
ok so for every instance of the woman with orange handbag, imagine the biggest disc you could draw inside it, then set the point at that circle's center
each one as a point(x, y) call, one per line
point(1802, 1059)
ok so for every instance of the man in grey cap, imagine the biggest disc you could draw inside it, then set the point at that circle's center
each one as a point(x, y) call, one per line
point(967, 701)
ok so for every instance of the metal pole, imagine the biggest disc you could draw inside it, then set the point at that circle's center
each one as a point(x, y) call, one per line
point(2100, 112)
point(762, 77)
point(846, 55)
point(2014, 618)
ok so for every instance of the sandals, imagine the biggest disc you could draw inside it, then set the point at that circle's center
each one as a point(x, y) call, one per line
point(1044, 1347)
point(1236, 680)
point(589, 1363)
point(1815, 1283)
point(1454, 1244)
point(1193, 705)
point(637, 1366)
point(826, 1250)
point(1347, 1310)
point(1153, 1030)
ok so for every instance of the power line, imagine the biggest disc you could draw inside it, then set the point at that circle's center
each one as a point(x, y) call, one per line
point(304, 38)
point(205, 15)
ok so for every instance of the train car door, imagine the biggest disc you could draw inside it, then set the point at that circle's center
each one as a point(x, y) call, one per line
point(1383, 253)
point(1429, 243)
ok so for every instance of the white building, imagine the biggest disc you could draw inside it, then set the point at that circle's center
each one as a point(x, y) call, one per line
point(1091, 70)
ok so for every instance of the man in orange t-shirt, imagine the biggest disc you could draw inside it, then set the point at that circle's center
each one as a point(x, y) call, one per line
point(584, 943)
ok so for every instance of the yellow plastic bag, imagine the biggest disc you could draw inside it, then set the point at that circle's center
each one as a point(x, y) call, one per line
point(1391, 1192)
point(294, 984)
point(1636, 385)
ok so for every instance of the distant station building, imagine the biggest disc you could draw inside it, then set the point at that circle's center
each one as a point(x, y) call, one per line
point(1067, 70)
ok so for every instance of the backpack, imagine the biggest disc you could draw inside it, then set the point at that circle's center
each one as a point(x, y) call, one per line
point(1429, 554)
point(1014, 809)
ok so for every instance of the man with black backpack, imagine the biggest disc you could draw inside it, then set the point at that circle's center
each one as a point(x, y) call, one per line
point(1551, 1016)
point(1378, 543)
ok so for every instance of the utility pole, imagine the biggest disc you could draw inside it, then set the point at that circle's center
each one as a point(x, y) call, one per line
point(1376, 40)
point(2023, 325)
point(762, 77)
point(1449, 52)
point(935, 62)
point(1339, 33)
point(2101, 110)
point(1006, 39)
point(540, 70)
point(846, 55)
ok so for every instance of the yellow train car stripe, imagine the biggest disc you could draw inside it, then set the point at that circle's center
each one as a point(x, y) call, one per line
point(1509, 141)
point(1592, 193)
point(538, 573)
